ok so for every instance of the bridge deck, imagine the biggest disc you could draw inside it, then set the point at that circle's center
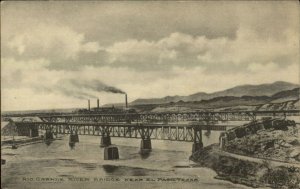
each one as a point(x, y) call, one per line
point(180, 132)
point(159, 117)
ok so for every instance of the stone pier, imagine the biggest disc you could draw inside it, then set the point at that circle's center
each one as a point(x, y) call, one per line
point(198, 144)
point(73, 138)
point(197, 147)
point(48, 135)
point(145, 145)
point(111, 153)
point(105, 141)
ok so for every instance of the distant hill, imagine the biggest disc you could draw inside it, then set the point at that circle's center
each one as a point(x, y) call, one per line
point(238, 91)
point(275, 96)
point(283, 100)
point(228, 101)
point(287, 95)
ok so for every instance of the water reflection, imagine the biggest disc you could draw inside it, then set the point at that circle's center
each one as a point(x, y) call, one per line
point(48, 142)
point(110, 168)
point(14, 146)
point(72, 145)
point(145, 154)
point(138, 172)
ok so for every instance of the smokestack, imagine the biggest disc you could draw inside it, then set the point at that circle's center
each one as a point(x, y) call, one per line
point(126, 104)
point(89, 107)
point(98, 103)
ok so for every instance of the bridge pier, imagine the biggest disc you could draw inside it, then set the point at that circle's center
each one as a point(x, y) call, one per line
point(105, 141)
point(48, 135)
point(73, 138)
point(33, 132)
point(197, 147)
point(145, 145)
point(198, 144)
point(111, 153)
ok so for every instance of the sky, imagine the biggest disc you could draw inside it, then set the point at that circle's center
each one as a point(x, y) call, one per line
point(59, 54)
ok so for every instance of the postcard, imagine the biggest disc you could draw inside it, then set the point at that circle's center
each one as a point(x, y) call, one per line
point(150, 94)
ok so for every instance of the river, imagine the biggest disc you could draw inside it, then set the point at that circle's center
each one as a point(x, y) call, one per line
point(84, 167)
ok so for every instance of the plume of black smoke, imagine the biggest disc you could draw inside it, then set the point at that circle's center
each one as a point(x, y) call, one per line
point(74, 93)
point(65, 90)
point(95, 85)
point(82, 88)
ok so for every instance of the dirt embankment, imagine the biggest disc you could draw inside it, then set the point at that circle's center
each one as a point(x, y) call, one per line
point(272, 139)
point(255, 174)
point(267, 156)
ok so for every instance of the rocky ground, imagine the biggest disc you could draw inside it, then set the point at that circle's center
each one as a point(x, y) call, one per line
point(271, 144)
point(262, 173)
point(267, 158)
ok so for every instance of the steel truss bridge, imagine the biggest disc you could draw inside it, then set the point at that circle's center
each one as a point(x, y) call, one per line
point(165, 117)
point(145, 126)
point(183, 132)
point(145, 131)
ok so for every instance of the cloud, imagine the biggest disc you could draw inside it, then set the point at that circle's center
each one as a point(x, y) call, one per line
point(209, 34)
point(37, 87)
point(132, 50)
point(183, 50)
point(35, 75)
point(53, 41)
point(209, 46)
point(16, 74)
point(255, 67)
point(161, 54)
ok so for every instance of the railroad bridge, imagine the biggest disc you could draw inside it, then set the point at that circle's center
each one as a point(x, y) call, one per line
point(188, 126)
point(164, 117)
point(191, 132)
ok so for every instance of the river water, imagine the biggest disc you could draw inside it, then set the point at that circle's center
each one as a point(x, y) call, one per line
point(167, 166)
point(58, 166)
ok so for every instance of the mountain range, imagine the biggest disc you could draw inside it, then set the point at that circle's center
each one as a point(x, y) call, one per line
point(274, 96)
point(263, 93)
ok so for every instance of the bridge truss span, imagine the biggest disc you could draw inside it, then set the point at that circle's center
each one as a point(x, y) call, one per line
point(166, 117)
point(144, 131)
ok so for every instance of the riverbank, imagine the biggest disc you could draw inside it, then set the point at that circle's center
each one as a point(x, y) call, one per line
point(21, 141)
point(267, 157)
point(259, 173)
point(8, 143)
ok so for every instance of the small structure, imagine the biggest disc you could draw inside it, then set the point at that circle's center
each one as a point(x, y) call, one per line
point(8, 128)
point(12, 129)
